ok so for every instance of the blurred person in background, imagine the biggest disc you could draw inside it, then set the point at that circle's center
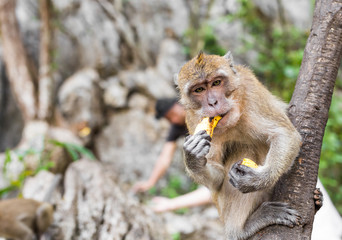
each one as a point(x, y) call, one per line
point(174, 112)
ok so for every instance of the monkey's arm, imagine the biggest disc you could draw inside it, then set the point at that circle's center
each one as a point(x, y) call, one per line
point(284, 145)
point(207, 173)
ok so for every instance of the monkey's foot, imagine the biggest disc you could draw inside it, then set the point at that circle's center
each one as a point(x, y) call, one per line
point(270, 213)
point(318, 198)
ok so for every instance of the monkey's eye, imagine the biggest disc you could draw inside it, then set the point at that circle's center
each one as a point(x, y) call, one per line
point(199, 90)
point(217, 82)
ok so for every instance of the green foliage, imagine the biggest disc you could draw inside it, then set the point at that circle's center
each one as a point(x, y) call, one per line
point(279, 49)
point(75, 151)
point(44, 163)
point(202, 38)
point(176, 236)
point(175, 187)
point(18, 182)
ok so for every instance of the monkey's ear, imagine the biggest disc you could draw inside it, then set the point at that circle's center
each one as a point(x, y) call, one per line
point(230, 59)
point(175, 79)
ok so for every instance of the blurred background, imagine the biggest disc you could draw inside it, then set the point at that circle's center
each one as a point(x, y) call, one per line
point(110, 61)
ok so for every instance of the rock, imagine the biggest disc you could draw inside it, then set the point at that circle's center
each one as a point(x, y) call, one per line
point(293, 11)
point(118, 33)
point(170, 59)
point(95, 34)
point(80, 102)
point(115, 95)
point(36, 148)
point(94, 207)
point(198, 223)
point(165, 18)
point(149, 82)
point(131, 141)
point(139, 101)
point(39, 186)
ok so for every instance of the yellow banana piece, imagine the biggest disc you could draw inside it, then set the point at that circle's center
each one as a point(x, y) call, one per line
point(249, 163)
point(208, 126)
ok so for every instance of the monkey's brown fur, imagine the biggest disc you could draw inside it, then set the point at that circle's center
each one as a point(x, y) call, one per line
point(254, 125)
point(21, 218)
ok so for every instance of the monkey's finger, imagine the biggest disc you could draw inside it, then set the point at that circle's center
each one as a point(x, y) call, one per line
point(203, 134)
point(189, 141)
point(233, 183)
point(202, 148)
point(200, 132)
point(317, 196)
point(232, 178)
point(317, 192)
point(203, 142)
point(191, 144)
point(201, 145)
point(187, 138)
point(203, 152)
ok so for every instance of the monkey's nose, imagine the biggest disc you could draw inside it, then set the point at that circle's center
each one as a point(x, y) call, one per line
point(213, 103)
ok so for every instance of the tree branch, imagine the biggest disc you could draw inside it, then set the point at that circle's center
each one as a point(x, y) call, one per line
point(17, 64)
point(46, 83)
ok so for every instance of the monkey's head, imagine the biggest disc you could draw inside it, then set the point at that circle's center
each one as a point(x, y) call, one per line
point(208, 86)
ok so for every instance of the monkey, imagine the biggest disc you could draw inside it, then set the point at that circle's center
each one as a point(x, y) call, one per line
point(254, 125)
point(318, 199)
point(26, 219)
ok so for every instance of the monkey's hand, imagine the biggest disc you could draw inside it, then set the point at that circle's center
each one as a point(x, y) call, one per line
point(246, 179)
point(196, 147)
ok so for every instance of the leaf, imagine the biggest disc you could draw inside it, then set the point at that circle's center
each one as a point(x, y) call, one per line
point(74, 155)
point(82, 150)
point(7, 190)
point(74, 150)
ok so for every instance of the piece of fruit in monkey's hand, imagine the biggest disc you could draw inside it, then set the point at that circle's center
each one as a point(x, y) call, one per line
point(249, 163)
point(208, 125)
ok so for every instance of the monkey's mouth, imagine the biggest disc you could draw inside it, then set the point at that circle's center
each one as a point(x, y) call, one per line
point(221, 115)
point(224, 114)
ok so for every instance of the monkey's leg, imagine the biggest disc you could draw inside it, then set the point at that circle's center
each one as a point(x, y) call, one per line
point(23, 232)
point(270, 213)
point(318, 198)
point(207, 173)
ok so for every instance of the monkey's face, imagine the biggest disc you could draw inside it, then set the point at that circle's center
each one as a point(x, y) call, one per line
point(208, 85)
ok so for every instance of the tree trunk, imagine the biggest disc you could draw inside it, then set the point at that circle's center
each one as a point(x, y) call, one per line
point(46, 84)
point(17, 64)
point(308, 110)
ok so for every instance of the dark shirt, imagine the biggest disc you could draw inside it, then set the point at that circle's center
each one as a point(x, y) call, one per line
point(176, 131)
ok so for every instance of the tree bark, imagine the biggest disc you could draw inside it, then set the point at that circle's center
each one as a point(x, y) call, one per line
point(17, 64)
point(308, 110)
point(46, 83)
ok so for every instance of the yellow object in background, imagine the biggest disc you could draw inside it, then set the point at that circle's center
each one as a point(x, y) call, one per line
point(208, 126)
point(249, 163)
point(84, 132)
